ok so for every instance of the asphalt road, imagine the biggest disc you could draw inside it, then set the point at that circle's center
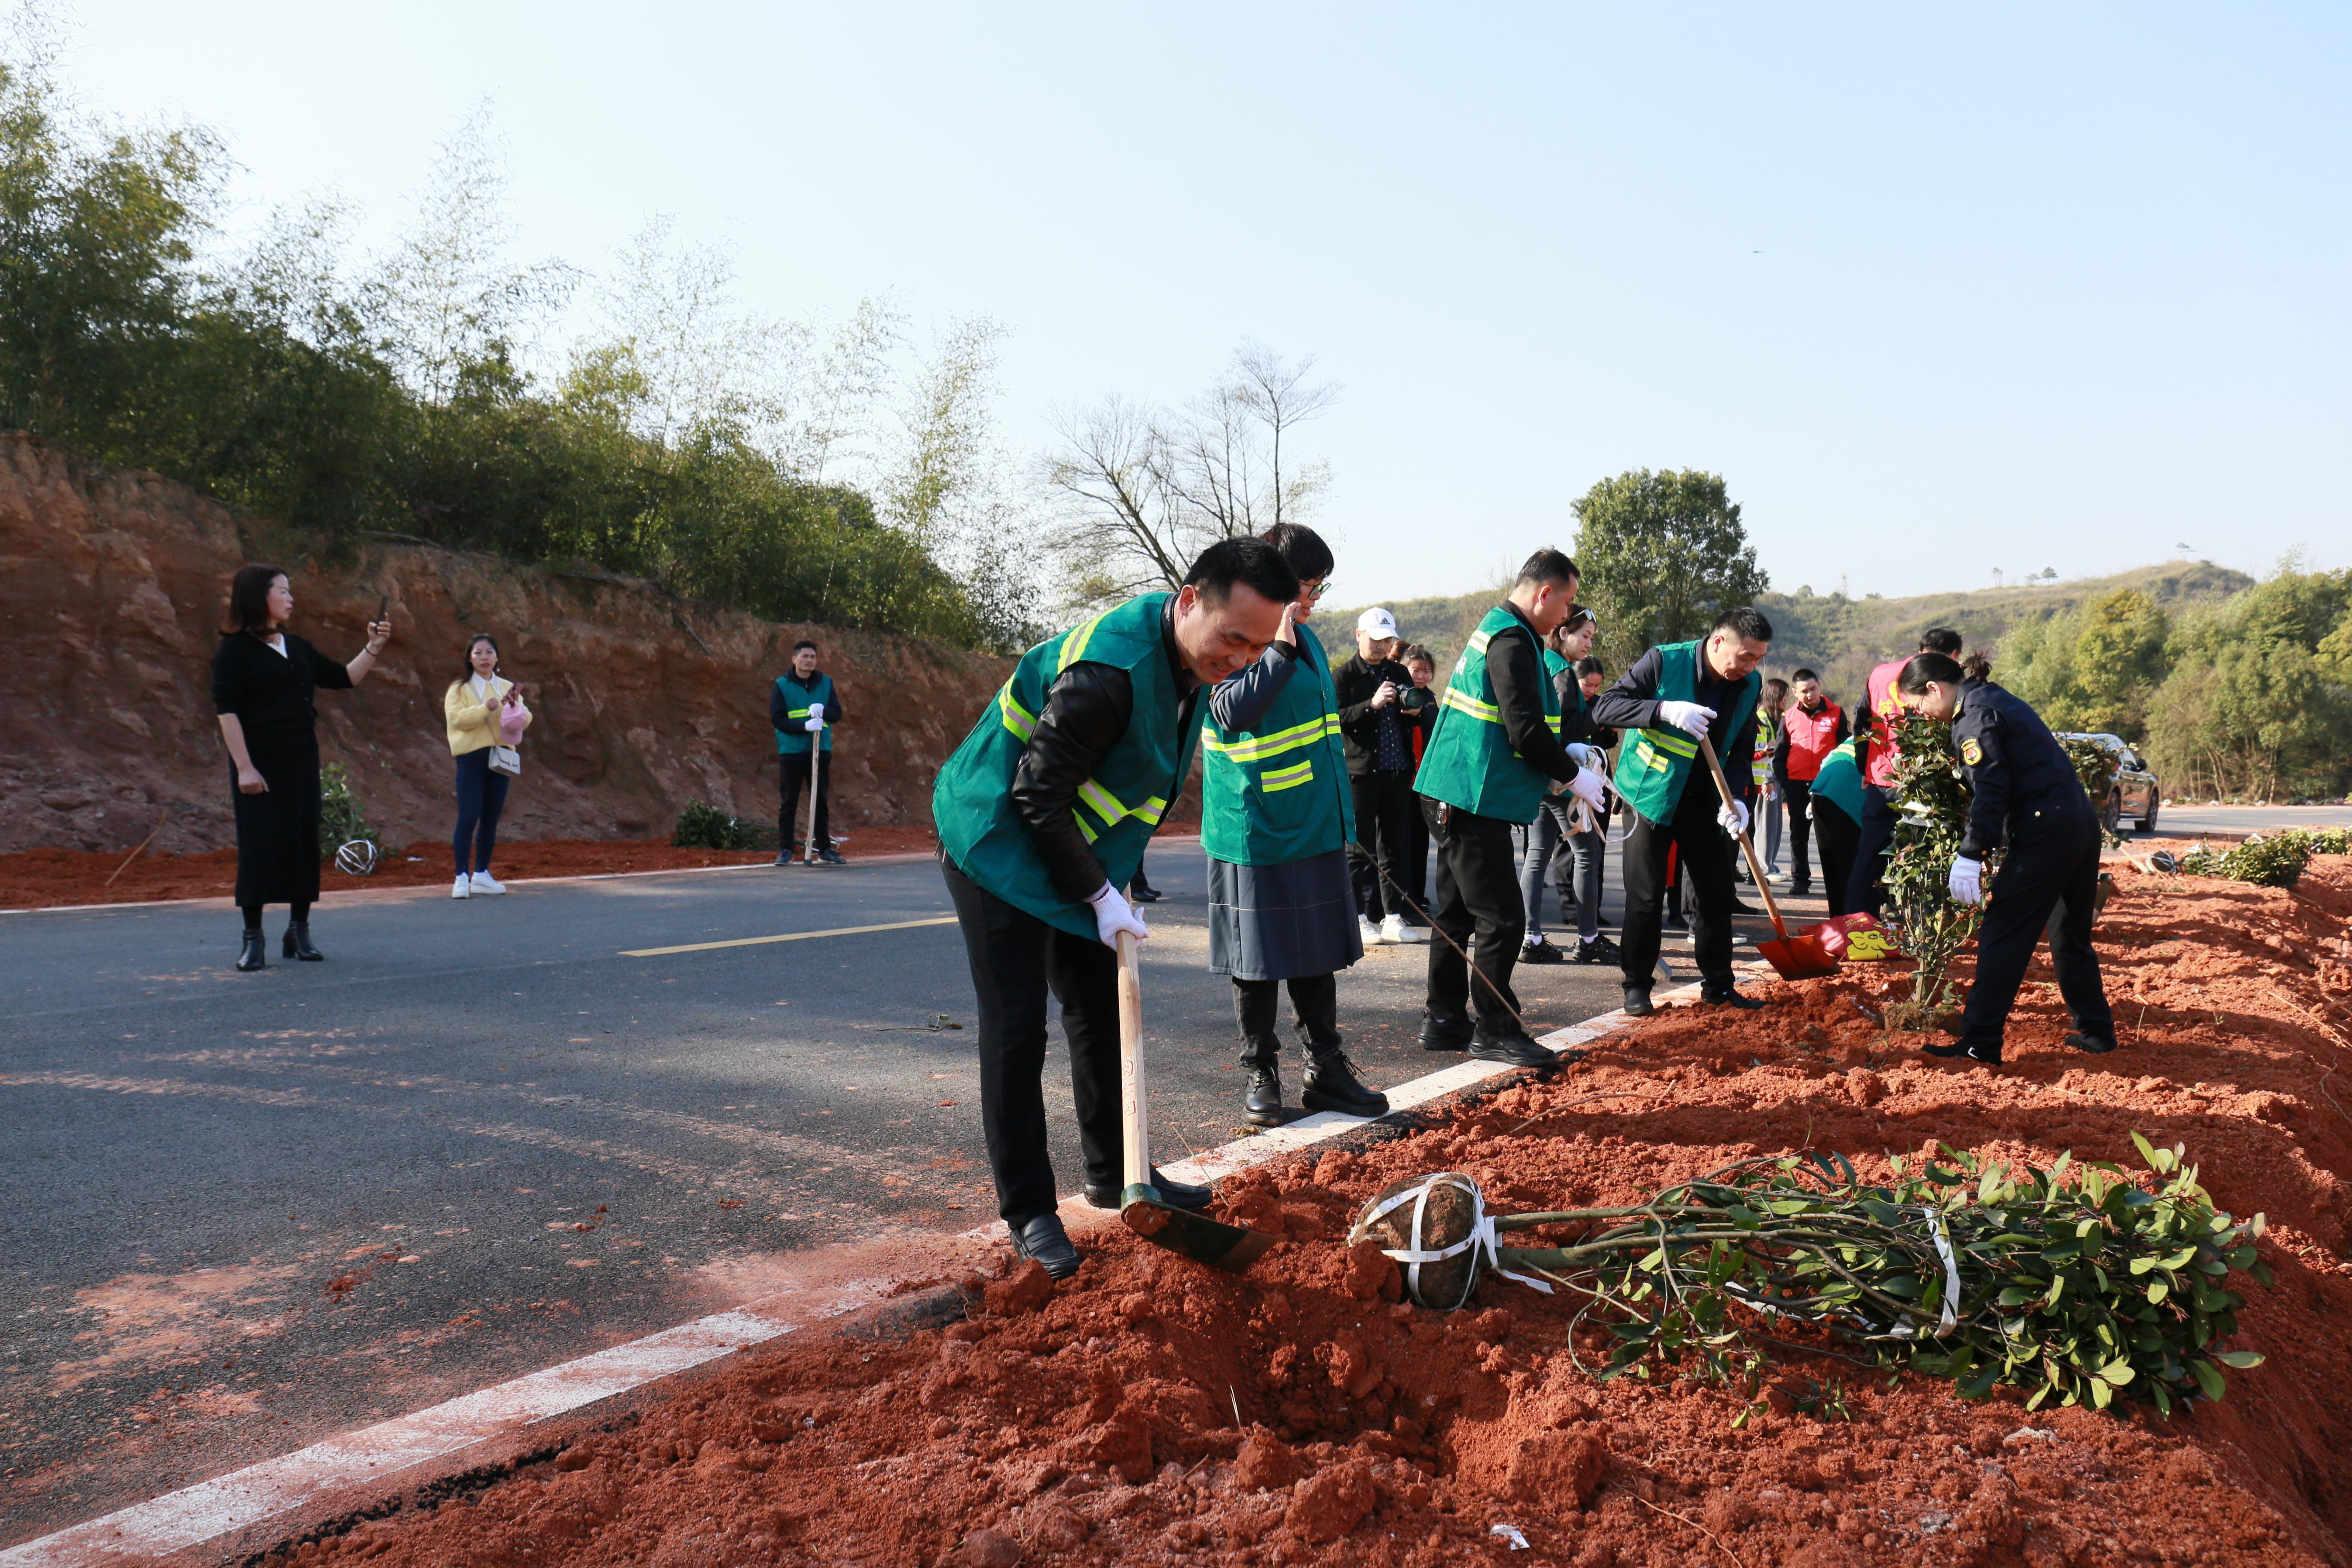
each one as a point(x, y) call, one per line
point(2188, 821)
point(246, 1212)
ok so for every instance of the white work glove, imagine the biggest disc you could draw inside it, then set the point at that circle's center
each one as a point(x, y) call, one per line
point(1733, 815)
point(1689, 717)
point(1968, 881)
point(1582, 755)
point(1113, 915)
point(1591, 788)
point(816, 717)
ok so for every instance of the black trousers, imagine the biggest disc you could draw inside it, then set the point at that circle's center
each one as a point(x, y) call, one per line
point(790, 820)
point(1477, 900)
point(1315, 1001)
point(1017, 962)
point(1841, 837)
point(1384, 803)
point(2053, 863)
point(1704, 854)
point(1796, 793)
point(1863, 891)
point(1416, 860)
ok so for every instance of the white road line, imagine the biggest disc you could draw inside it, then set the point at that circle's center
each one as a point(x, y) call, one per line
point(258, 1493)
point(788, 936)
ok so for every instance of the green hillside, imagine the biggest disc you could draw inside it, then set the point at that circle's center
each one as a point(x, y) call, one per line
point(1844, 638)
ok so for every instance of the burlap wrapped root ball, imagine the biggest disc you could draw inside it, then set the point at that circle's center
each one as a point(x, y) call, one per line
point(1423, 1214)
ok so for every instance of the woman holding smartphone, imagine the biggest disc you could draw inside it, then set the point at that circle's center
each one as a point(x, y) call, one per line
point(486, 718)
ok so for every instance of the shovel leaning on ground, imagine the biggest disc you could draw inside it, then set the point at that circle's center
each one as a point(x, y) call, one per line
point(1793, 957)
point(1196, 1236)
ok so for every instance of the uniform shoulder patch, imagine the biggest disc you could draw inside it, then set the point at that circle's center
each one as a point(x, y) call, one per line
point(1972, 752)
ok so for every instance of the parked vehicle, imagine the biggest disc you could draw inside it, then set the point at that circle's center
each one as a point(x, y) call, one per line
point(2135, 794)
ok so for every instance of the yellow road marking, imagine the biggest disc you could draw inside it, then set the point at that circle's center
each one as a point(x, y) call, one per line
point(790, 936)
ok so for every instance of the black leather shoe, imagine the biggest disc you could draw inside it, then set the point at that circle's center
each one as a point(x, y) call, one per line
point(1637, 1002)
point(2098, 1045)
point(1956, 1051)
point(254, 954)
point(1174, 1194)
point(1262, 1106)
point(297, 943)
point(1599, 950)
point(1800, 889)
point(1674, 922)
point(1742, 907)
point(1509, 1046)
point(1445, 1034)
point(1332, 1085)
point(1541, 953)
point(1043, 1239)
point(1141, 892)
point(1730, 999)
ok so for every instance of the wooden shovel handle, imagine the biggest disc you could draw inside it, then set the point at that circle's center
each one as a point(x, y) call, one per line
point(1755, 867)
point(1135, 1116)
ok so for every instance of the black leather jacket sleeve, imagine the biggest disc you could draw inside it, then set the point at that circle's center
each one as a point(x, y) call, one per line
point(1515, 670)
point(1087, 710)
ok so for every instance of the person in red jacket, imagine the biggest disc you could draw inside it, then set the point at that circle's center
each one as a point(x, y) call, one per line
point(1810, 728)
point(1876, 723)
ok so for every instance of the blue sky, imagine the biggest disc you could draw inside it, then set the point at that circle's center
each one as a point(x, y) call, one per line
point(1937, 290)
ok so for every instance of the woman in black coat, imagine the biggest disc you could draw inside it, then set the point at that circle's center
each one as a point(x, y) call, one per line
point(264, 679)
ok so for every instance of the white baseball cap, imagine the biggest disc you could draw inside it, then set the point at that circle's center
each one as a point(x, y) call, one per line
point(1378, 622)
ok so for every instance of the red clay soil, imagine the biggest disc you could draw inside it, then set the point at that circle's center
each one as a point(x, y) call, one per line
point(1154, 1410)
point(52, 878)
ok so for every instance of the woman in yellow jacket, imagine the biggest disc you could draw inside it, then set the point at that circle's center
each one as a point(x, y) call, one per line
point(487, 717)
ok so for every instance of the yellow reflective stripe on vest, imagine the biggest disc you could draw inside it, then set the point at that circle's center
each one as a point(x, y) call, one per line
point(1073, 647)
point(1287, 778)
point(1673, 740)
point(1105, 804)
point(1552, 721)
point(1478, 641)
point(1257, 747)
point(795, 712)
point(1018, 719)
point(1150, 809)
point(1462, 702)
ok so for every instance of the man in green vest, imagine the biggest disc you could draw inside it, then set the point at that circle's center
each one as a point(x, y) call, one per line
point(803, 706)
point(1497, 750)
point(1673, 695)
point(1042, 814)
point(1275, 821)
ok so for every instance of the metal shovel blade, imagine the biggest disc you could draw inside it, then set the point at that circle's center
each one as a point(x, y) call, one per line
point(1798, 957)
point(1195, 1235)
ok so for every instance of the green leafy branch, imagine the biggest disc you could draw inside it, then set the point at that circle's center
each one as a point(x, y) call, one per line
point(1932, 796)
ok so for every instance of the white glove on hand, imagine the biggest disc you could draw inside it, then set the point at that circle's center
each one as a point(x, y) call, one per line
point(1689, 717)
point(1591, 788)
point(1113, 915)
point(816, 718)
point(1968, 881)
point(1733, 815)
point(1582, 755)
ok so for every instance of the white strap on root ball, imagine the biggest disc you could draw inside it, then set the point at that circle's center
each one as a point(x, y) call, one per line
point(1438, 1227)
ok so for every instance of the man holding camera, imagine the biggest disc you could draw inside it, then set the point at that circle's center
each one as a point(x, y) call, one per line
point(1378, 703)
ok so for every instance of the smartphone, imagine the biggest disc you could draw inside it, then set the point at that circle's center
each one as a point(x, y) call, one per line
point(383, 605)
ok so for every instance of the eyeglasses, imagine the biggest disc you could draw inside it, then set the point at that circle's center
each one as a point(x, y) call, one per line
point(1316, 593)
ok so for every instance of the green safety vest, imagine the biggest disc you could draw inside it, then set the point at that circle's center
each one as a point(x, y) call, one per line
point(1279, 793)
point(1469, 762)
point(1839, 780)
point(1116, 809)
point(795, 742)
point(1652, 764)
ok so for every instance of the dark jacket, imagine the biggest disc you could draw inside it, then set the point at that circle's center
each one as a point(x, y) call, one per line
point(1632, 704)
point(1353, 685)
point(1087, 710)
point(272, 693)
point(780, 702)
point(2022, 775)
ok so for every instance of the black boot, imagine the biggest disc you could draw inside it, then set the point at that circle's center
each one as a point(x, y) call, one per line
point(1262, 1106)
point(297, 943)
point(254, 954)
point(1332, 1085)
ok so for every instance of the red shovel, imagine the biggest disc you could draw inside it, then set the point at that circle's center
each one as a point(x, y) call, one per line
point(1793, 957)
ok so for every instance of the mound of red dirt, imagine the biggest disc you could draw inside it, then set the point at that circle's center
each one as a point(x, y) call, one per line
point(1152, 1411)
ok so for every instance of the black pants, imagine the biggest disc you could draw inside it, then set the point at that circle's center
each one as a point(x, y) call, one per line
point(1841, 837)
point(794, 778)
point(1864, 893)
point(481, 796)
point(1313, 1000)
point(1477, 896)
point(1017, 961)
point(1704, 854)
point(2053, 864)
point(1416, 860)
point(1797, 793)
point(1384, 803)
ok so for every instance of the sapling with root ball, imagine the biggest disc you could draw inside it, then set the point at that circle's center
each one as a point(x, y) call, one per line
point(2076, 1283)
point(1932, 797)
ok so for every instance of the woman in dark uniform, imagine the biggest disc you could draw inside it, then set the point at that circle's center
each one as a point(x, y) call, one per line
point(263, 681)
point(2028, 795)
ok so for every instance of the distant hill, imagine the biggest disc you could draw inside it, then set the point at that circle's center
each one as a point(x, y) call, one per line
point(1839, 636)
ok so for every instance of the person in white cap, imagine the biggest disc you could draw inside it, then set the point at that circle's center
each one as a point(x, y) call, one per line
point(1376, 702)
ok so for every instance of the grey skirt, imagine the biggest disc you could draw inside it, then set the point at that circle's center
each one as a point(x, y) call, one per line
point(1278, 923)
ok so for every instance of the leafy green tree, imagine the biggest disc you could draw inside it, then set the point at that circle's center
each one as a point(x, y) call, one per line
point(2256, 705)
point(1663, 554)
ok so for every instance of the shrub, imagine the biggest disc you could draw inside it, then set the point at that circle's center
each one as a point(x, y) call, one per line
point(341, 819)
point(2276, 861)
point(701, 827)
point(1933, 795)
